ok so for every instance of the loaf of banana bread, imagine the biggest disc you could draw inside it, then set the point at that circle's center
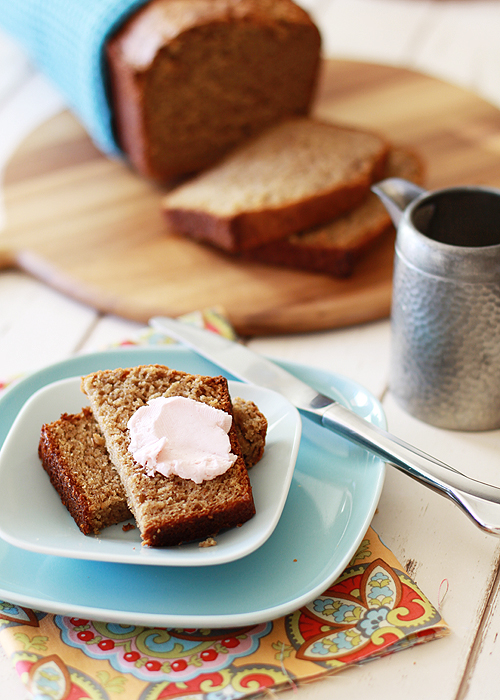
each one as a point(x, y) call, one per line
point(190, 79)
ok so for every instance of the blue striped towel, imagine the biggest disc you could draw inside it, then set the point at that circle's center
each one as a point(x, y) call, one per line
point(65, 39)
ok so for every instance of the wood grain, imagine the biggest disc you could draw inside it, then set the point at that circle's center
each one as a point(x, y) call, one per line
point(92, 228)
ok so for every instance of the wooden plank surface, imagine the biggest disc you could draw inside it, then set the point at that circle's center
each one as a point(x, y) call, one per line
point(92, 228)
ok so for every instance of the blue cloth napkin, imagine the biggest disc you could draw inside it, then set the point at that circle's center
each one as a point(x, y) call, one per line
point(65, 39)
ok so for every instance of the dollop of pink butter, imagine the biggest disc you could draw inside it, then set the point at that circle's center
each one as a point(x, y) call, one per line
point(177, 435)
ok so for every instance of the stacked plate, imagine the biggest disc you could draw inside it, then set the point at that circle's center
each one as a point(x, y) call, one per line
point(315, 495)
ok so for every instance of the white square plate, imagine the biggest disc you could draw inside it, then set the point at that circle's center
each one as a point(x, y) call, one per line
point(32, 516)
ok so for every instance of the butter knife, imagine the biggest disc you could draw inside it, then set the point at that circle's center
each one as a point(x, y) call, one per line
point(480, 501)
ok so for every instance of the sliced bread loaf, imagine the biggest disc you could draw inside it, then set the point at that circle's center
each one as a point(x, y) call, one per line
point(335, 248)
point(73, 453)
point(168, 510)
point(190, 79)
point(298, 174)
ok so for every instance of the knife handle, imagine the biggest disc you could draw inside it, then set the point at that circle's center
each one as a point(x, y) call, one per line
point(480, 501)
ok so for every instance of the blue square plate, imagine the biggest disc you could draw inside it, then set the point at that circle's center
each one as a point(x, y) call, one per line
point(332, 498)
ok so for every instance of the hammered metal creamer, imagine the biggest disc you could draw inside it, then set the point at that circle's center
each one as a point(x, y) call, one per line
point(445, 319)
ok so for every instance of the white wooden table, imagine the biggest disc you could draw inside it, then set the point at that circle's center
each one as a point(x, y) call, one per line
point(443, 551)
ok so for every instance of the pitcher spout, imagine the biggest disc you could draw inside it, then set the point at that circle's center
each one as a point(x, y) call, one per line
point(396, 194)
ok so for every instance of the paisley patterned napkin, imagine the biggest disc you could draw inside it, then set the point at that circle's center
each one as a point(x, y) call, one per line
point(373, 609)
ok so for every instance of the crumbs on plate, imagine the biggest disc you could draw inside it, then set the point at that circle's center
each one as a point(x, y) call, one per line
point(209, 542)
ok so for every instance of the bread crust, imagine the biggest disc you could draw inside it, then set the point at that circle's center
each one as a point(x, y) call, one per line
point(248, 230)
point(190, 79)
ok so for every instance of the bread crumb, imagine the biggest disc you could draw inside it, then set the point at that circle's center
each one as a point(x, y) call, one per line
point(128, 526)
point(209, 542)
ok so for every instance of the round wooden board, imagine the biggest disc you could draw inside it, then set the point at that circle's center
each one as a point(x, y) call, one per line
point(91, 228)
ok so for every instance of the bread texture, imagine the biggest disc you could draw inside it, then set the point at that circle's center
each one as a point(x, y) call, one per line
point(336, 247)
point(295, 175)
point(73, 453)
point(168, 510)
point(251, 429)
point(190, 79)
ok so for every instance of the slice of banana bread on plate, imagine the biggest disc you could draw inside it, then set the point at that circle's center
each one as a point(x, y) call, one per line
point(168, 510)
point(74, 455)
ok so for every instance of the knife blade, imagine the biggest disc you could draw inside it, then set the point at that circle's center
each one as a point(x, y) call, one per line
point(479, 501)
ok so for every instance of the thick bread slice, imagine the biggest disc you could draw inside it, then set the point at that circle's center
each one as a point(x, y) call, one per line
point(168, 510)
point(73, 453)
point(190, 79)
point(336, 247)
point(298, 174)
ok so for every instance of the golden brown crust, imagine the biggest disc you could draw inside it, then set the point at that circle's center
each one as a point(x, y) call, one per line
point(191, 79)
point(196, 526)
point(160, 22)
point(168, 510)
point(249, 230)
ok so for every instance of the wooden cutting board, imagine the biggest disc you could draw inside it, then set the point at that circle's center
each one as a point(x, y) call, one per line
point(91, 228)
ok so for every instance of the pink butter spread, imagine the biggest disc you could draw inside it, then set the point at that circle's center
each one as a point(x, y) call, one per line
point(181, 436)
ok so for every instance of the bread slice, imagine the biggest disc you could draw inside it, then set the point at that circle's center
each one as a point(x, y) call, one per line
point(298, 174)
point(190, 79)
point(335, 248)
point(168, 510)
point(73, 453)
point(251, 429)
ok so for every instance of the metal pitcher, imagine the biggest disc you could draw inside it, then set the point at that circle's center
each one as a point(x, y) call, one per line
point(445, 318)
